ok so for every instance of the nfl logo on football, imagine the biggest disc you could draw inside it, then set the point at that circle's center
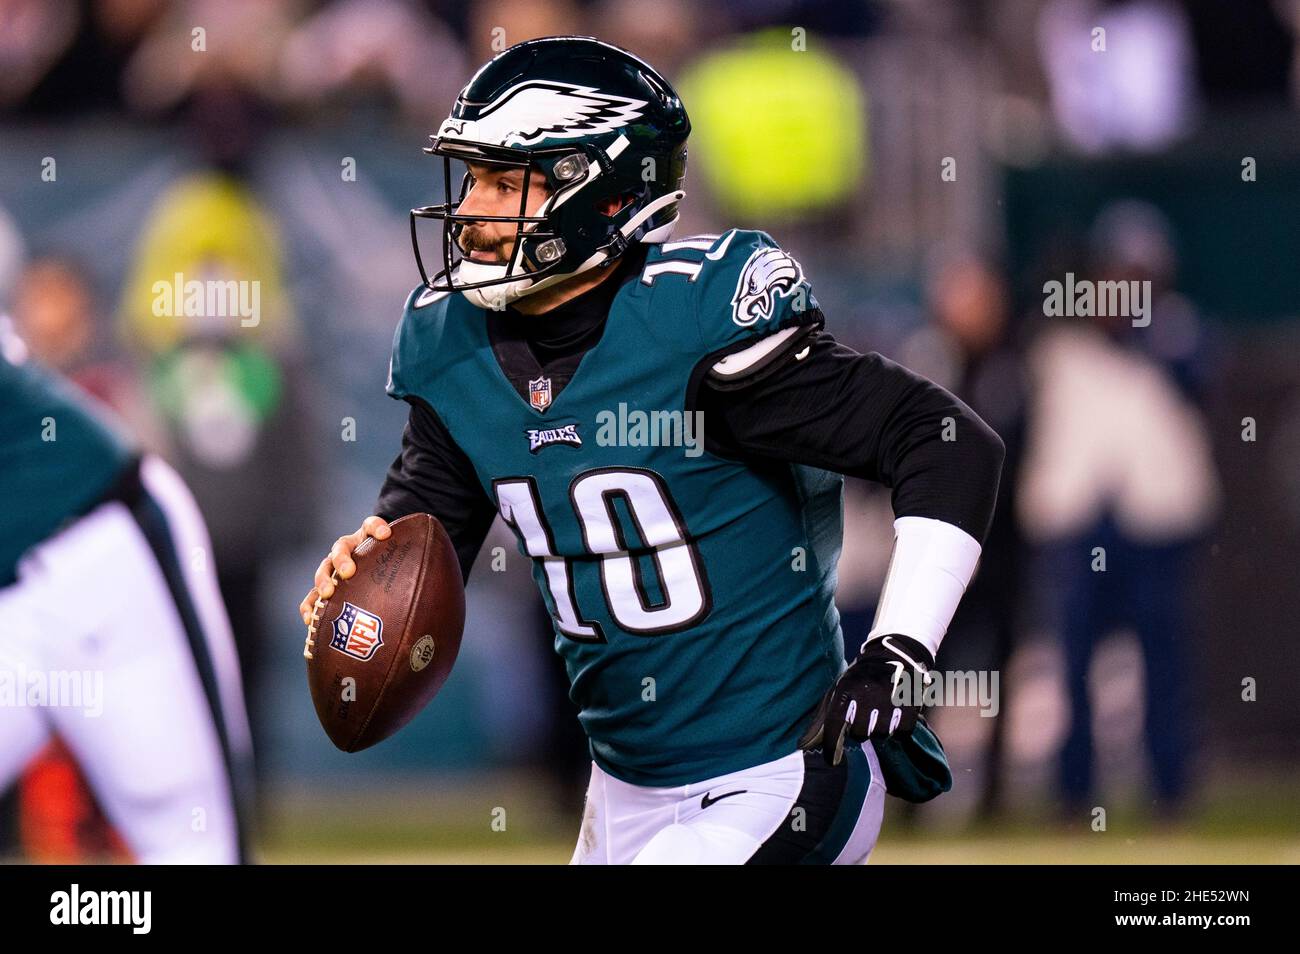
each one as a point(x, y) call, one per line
point(357, 633)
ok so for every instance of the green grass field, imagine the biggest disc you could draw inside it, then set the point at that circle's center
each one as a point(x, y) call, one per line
point(939, 850)
point(422, 823)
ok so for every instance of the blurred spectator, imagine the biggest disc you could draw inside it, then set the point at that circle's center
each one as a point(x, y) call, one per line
point(360, 49)
point(1118, 485)
point(52, 314)
point(1133, 239)
point(208, 46)
point(60, 820)
point(666, 39)
point(970, 350)
point(230, 389)
point(65, 57)
point(493, 25)
point(1121, 72)
point(58, 316)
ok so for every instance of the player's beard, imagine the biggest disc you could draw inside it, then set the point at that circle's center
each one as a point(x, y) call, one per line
point(469, 271)
point(472, 239)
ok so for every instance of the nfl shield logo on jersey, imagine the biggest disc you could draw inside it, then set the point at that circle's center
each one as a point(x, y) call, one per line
point(539, 393)
point(357, 633)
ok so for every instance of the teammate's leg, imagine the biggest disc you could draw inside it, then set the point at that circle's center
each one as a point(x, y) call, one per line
point(195, 590)
point(148, 744)
point(24, 729)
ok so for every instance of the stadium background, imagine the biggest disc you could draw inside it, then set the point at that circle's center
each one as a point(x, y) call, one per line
point(930, 164)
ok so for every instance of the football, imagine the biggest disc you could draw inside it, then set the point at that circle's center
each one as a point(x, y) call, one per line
point(384, 642)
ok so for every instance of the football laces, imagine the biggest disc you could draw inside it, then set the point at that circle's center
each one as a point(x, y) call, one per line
point(316, 608)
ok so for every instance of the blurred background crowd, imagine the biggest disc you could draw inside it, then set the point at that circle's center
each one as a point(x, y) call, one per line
point(931, 164)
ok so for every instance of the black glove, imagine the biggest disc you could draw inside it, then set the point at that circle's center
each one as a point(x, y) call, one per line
point(878, 695)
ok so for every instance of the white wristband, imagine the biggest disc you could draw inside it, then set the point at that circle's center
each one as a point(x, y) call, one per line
point(932, 565)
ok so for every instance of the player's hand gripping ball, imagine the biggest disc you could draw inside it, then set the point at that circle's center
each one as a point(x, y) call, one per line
point(384, 624)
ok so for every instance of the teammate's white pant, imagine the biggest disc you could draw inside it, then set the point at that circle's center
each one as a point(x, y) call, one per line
point(142, 681)
point(793, 810)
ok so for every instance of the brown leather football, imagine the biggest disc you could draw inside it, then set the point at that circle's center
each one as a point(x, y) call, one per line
point(384, 643)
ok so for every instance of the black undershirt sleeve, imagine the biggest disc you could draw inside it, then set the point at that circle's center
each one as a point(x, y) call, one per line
point(864, 416)
point(433, 475)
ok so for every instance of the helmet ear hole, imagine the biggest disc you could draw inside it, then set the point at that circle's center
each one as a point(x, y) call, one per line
point(613, 205)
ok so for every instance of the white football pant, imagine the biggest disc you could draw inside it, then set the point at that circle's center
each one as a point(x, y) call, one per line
point(115, 638)
point(793, 810)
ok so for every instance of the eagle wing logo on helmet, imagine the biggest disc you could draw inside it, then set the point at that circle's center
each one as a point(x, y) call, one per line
point(540, 109)
point(768, 274)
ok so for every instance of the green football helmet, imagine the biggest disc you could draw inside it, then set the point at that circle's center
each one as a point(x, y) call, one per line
point(599, 124)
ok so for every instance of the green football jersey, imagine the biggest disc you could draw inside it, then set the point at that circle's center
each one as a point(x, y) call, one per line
point(60, 457)
point(692, 595)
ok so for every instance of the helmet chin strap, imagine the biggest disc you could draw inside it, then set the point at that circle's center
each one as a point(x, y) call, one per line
point(496, 297)
point(491, 297)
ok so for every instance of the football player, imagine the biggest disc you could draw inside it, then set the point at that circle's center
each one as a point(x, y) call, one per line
point(116, 639)
point(554, 366)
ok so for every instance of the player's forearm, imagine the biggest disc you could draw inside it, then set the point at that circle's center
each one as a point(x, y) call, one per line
point(931, 566)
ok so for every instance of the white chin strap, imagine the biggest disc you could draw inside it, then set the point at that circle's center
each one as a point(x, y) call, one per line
point(496, 297)
point(492, 297)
